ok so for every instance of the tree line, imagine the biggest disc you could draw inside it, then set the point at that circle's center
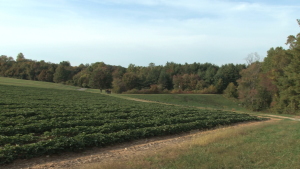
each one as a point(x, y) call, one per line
point(172, 77)
point(272, 84)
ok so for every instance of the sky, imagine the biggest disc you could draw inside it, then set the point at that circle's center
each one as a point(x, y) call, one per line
point(123, 32)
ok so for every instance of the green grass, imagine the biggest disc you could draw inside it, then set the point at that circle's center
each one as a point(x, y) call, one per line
point(270, 146)
point(43, 120)
point(38, 84)
point(206, 101)
point(210, 101)
point(267, 145)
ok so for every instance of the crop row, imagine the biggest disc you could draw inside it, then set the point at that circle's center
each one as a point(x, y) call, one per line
point(36, 121)
point(85, 140)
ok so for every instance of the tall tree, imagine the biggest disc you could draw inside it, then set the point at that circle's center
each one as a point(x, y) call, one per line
point(63, 72)
point(101, 78)
point(251, 94)
point(289, 83)
point(118, 86)
point(165, 80)
point(228, 73)
point(20, 57)
point(130, 80)
point(231, 91)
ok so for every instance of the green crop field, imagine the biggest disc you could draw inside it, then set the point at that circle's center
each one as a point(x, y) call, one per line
point(38, 120)
point(272, 145)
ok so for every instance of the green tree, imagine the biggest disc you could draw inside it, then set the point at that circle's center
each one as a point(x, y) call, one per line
point(251, 93)
point(20, 57)
point(118, 72)
point(227, 73)
point(63, 72)
point(165, 80)
point(82, 78)
point(272, 70)
point(101, 78)
point(209, 74)
point(118, 86)
point(247, 85)
point(289, 83)
point(130, 80)
point(231, 91)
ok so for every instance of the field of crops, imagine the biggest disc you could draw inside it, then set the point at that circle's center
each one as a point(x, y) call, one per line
point(39, 121)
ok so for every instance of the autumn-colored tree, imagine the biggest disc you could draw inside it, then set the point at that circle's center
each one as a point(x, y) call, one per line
point(20, 57)
point(82, 78)
point(118, 86)
point(118, 72)
point(248, 86)
point(272, 70)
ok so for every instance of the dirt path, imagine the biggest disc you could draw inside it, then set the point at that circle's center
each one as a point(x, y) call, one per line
point(297, 118)
point(82, 89)
point(117, 152)
point(123, 151)
point(282, 117)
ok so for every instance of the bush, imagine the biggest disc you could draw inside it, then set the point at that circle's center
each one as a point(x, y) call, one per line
point(210, 90)
point(230, 91)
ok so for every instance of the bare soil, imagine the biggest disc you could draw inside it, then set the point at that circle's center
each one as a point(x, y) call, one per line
point(296, 118)
point(117, 152)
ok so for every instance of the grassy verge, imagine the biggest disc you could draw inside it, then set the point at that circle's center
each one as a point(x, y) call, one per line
point(38, 84)
point(206, 101)
point(266, 145)
point(196, 100)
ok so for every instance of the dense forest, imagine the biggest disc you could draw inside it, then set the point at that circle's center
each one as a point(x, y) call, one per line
point(172, 77)
point(271, 84)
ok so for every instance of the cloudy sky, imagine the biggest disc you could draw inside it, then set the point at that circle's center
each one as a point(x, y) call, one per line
point(120, 32)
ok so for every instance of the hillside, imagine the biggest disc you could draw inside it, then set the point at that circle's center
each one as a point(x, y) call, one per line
point(40, 120)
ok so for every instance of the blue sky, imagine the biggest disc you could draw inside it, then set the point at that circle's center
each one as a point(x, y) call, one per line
point(120, 32)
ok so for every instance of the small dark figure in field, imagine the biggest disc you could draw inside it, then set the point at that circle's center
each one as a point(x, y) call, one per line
point(108, 91)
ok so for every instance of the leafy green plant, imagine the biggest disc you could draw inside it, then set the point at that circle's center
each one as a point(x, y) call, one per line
point(37, 121)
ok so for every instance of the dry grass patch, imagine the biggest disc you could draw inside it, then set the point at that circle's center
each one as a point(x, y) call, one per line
point(172, 153)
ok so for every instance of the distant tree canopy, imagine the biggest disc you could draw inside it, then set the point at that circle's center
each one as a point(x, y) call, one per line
point(195, 77)
point(271, 84)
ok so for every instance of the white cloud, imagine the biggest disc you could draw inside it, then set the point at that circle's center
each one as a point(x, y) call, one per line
point(155, 30)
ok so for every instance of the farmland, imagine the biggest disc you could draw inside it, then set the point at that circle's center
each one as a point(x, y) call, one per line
point(37, 121)
point(209, 101)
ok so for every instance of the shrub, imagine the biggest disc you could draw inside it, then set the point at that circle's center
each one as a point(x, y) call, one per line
point(230, 91)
